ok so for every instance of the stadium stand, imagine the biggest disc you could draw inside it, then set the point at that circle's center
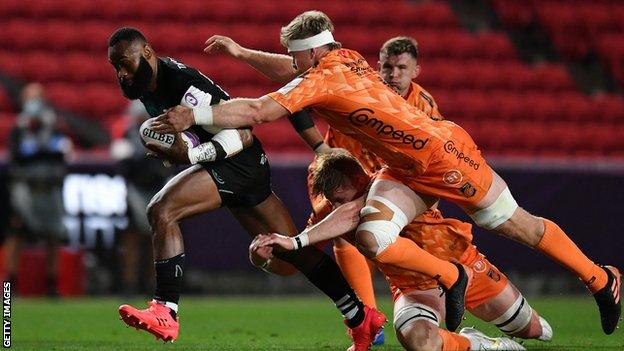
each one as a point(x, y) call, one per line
point(478, 79)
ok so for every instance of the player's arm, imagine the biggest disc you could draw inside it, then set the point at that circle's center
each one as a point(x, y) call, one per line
point(233, 113)
point(342, 220)
point(302, 92)
point(304, 125)
point(224, 144)
point(276, 67)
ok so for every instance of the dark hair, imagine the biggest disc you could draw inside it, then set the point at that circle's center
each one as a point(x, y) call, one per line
point(399, 45)
point(128, 34)
point(333, 169)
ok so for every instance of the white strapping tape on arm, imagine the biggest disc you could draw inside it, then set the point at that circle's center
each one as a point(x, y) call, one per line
point(230, 141)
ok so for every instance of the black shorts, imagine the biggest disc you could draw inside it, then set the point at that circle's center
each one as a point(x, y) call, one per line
point(243, 179)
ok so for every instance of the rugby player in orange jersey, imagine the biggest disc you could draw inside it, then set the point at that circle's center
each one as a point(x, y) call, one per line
point(340, 179)
point(426, 160)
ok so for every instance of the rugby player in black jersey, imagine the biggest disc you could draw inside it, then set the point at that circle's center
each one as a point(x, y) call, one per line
point(229, 168)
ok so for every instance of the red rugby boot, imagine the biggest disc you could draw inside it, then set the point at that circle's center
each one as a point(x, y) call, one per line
point(156, 319)
point(364, 334)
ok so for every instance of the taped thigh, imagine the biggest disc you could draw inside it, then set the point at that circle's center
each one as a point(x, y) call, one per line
point(412, 312)
point(515, 318)
point(497, 213)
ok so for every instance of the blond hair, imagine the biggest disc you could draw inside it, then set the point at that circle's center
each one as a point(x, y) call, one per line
point(334, 169)
point(305, 25)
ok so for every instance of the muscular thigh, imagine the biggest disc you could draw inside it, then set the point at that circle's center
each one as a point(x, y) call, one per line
point(190, 192)
point(269, 216)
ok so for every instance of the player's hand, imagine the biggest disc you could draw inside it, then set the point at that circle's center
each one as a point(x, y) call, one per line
point(277, 241)
point(223, 44)
point(259, 255)
point(176, 154)
point(175, 119)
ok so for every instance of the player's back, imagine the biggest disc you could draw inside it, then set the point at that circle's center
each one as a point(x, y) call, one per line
point(360, 104)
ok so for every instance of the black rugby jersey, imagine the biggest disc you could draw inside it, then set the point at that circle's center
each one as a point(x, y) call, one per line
point(179, 84)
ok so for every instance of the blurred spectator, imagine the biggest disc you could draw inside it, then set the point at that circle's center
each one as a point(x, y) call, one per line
point(144, 177)
point(37, 154)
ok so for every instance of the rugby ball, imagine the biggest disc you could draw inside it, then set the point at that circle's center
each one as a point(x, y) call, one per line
point(150, 136)
point(166, 140)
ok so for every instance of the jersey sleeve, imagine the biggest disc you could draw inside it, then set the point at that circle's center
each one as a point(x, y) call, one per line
point(304, 91)
point(195, 97)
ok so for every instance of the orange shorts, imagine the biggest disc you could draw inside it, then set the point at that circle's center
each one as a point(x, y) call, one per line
point(487, 282)
point(456, 171)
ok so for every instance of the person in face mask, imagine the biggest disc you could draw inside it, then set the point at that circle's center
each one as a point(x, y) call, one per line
point(37, 152)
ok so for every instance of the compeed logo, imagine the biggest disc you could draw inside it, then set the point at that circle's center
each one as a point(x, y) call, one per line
point(365, 117)
point(450, 148)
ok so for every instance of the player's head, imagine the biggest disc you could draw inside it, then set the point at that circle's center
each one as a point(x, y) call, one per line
point(398, 63)
point(308, 37)
point(134, 60)
point(339, 177)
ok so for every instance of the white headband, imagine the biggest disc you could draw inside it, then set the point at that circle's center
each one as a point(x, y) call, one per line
point(323, 38)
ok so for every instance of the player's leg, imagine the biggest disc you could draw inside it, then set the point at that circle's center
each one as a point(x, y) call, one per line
point(390, 206)
point(493, 298)
point(357, 270)
point(461, 174)
point(498, 211)
point(191, 192)
point(359, 273)
point(271, 216)
point(417, 318)
point(513, 315)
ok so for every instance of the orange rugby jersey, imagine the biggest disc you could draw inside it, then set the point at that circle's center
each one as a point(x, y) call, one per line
point(421, 99)
point(354, 100)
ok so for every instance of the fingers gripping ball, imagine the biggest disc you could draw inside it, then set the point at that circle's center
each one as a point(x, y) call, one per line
point(165, 140)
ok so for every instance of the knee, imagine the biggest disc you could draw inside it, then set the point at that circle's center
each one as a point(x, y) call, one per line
point(420, 337)
point(159, 213)
point(366, 243)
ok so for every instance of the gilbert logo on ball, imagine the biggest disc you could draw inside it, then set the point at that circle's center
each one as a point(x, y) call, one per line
point(150, 136)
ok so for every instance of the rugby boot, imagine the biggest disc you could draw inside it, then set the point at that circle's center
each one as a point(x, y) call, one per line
point(364, 334)
point(608, 300)
point(454, 299)
point(480, 341)
point(156, 319)
point(547, 332)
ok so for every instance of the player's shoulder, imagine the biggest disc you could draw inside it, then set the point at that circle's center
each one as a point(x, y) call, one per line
point(420, 93)
point(177, 70)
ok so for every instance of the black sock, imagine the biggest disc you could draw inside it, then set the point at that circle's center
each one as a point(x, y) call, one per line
point(325, 274)
point(169, 273)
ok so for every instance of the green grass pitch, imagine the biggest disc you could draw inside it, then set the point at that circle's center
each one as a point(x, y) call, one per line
point(248, 323)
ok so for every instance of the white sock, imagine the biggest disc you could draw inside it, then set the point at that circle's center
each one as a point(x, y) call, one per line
point(173, 306)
